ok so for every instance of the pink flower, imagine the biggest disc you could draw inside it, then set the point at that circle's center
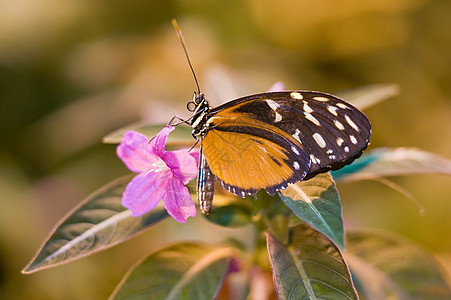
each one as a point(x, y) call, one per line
point(162, 175)
point(277, 87)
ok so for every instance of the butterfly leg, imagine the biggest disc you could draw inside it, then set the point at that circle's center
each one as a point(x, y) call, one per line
point(176, 120)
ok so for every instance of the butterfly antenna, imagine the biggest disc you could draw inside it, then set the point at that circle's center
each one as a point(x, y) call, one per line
point(179, 33)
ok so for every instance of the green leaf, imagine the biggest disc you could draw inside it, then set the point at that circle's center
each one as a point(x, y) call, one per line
point(233, 215)
point(276, 215)
point(180, 136)
point(98, 223)
point(309, 267)
point(388, 266)
point(316, 201)
point(394, 162)
point(369, 95)
point(277, 225)
point(229, 210)
point(181, 271)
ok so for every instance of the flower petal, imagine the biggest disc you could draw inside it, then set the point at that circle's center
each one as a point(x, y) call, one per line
point(145, 191)
point(277, 87)
point(195, 153)
point(159, 141)
point(136, 152)
point(182, 164)
point(178, 201)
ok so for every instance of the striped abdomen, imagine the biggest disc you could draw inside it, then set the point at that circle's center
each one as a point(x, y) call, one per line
point(205, 185)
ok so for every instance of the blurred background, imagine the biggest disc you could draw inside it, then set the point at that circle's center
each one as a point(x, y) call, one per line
point(72, 71)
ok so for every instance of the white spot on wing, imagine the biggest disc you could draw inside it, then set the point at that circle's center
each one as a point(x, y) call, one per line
point(314, 159)
point(346, 149)
point(296, 95)
point(342, 105)
point(295, 150)
point(319, 140)
point(340, 141)
point(353, 139)
point(332, 156)
point(296, 135)
point(330, 151)
point(351, 123)
point(312, 119)
point(339, 125)
point(322, 99)
point(332, 110)
point(272, 104)
point(296, 165)
point(307, 108)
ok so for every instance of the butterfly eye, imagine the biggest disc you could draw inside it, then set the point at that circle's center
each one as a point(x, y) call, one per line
point(191, 106)
point(198, 98)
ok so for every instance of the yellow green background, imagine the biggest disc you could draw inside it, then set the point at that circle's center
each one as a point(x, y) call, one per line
point(72, 71)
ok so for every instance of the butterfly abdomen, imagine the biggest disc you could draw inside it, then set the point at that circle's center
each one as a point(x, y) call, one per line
point(205, 185)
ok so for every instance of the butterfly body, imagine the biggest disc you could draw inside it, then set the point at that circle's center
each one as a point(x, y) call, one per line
point(268, 140)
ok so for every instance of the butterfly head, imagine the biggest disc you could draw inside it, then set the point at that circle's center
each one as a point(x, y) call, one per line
point(200, 108)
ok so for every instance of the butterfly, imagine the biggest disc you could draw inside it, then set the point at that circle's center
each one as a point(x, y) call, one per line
point(269, 140)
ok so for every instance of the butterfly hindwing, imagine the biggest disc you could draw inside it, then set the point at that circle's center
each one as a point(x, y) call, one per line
point(246, 154)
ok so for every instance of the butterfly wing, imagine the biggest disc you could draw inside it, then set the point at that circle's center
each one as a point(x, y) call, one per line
point(256, 141)
point(334, 132)
point(246, 154)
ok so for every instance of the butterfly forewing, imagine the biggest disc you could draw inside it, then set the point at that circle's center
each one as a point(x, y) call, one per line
point(254, 142)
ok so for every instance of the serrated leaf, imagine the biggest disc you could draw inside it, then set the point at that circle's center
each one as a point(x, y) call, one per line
point(180, 136)
point(387, 266)
point(98, 223)
point(394, 162)
point(309, 267)
point(181, 271)
point(369, 95)
point(316, 202)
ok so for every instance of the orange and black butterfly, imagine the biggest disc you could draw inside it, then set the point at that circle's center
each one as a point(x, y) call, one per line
point(268, 140)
